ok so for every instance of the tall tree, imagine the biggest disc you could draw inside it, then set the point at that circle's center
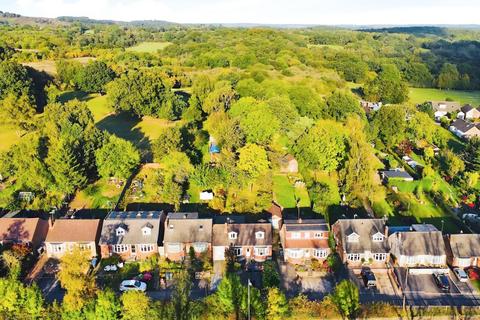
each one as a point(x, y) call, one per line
point(340, 105)
point(346, 298)
point(448, 77)
point(137, 305)
point(117, 158)
point(387, 87)
point(472, 154)
point(14, 79)
point(95, 76)
point(277, 304)
point(253, 160)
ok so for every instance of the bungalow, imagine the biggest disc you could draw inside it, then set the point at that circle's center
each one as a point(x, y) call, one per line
point(463, 250)
point(131, 234)
point(418, 248)
point(464, 129)
point(66, 234)
point(443, 108)
point(395, 175)
point(304, 239)
point(184, 231)
point(361, 241)
point(247, 241)
point(27, 231)
point(469, 112)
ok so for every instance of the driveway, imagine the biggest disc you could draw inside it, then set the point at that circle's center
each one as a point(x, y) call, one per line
point(50, 287)
point(312, 287)
point(384, 290)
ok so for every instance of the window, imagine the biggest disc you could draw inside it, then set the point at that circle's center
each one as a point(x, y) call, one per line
point(146, 247)
point(379, 256)
point(296, 235)
point(146, 231)
point(437, 260)
point(260, 235)
point(260, 251)
point(318, 235)
point(57, 247)
point(200, 246)
point(377, 237)
point(237, 251)
point(306, 235)
point(85, 246)
point(120, 231)
point(353, 237)
point(174, 247)
point(353, 256)
point(120, 248)
point(320, 253)
point(295, 253)
point(232, 235)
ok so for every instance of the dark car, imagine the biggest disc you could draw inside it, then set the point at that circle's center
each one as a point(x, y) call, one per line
point(442, 281)
point(368, 278)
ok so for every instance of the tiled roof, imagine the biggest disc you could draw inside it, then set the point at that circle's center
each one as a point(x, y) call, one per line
point(74, 230)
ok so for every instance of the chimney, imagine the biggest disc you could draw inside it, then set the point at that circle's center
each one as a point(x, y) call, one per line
point(50, 222)
point(299, 220)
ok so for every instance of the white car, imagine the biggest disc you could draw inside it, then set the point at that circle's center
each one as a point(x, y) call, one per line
point(469, 216)
point(461, 274)
point(129, 285)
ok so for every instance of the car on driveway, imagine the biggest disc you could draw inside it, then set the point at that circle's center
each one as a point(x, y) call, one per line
point(470, 216)
point(368, 278)
point(462, 276)
point(442, 282)
point(133, 285)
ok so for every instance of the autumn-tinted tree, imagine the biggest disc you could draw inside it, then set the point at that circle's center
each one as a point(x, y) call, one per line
point(346, 298)
point(253, 160)
point(277, 304)
point(137, 305)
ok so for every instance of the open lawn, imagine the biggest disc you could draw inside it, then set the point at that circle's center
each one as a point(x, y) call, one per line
point(419, 95)
point(49, 66)
point(285, 193)
point(9, 135)
point(100, 195)
point(149, 47)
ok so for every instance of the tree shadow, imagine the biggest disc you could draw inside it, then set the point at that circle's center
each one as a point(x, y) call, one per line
point(123, 125)
point(91, 213)
point(144, 206)
point(74, 94)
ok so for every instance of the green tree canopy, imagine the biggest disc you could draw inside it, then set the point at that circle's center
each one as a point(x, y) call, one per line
point(94, 77)
point(387, 87)
point(253, 160)
point(340, 105)
point(346, 298)
point(117, 158)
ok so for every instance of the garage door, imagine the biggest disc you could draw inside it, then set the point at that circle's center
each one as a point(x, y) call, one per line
point(218, 253)
point(427, 270)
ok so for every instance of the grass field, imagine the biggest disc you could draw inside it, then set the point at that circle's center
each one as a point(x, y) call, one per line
point(49, 66)
point(419, 95)
point(9, 135)
point(149, 47)
point(285, 193)
point(100, 195)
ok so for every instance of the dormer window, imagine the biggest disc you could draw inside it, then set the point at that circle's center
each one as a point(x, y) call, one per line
point(378, 237)
point(200, 228)
point(318, 235)
point(353, 237)
point(260, 235)
point(232, 235)
point(120, 231)
point(146, 231)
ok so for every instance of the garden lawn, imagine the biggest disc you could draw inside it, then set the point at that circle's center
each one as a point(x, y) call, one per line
point(100, 195)
point(9, 135)
point(149, 47)
point(285, 193)
point(419, 95)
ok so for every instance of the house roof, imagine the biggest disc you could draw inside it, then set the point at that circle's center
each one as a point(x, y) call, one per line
point(399, 174)
point(306, 225)
point(465, 245)
point(365, 228)
point(462, 125)
point(74, 230)
point(417, 243)
point(132, 222)
point(245, 234)
point(466, 108)
point(446, 106)
point(275, 210)
point(187, 228)
point(306, 243)
point(19, 229)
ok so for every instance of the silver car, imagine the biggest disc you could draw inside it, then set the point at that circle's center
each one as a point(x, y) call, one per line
point(462, 276)
point(135, 285)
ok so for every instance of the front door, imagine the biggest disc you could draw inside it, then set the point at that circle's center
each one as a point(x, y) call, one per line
point(134, 249)
point(247, 253)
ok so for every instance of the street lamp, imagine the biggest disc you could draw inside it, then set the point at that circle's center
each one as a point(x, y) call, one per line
point(248, 297)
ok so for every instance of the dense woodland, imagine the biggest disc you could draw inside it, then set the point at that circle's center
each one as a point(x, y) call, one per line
point(257, 94)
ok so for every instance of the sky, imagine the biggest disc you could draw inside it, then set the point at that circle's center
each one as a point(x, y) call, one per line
point(322, 12)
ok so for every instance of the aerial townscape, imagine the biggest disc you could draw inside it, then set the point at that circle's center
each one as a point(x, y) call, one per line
point(161, 170)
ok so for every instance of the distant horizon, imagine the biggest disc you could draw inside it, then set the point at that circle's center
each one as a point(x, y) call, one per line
point(257, 12)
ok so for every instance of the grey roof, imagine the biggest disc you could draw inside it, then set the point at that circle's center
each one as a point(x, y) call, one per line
point(399, 174)
point(365, 228)
point(424, 227)
point(466, 108)
point(187, 228)
point(306, 225)
point(245, 234)
point(462, 125)
point(465, 245)
point(417, 243)
point(132, 222)
point(447, 106)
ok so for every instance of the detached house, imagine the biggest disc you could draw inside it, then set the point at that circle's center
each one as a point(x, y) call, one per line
point(66, 234)
point(304, 240)
point(420, 247)
point(443, 108)
point(248, 241)
point(464, 129)
point(131, 234)
point(361, 241)
point(463, 250)
point(27, 231)
point(184, 231)
point(469, 112)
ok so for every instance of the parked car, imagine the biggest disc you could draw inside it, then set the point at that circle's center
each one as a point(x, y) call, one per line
point(442, 281)
point(368, 278)
point(469, 216)
point(461, 274)
point(129, 285)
